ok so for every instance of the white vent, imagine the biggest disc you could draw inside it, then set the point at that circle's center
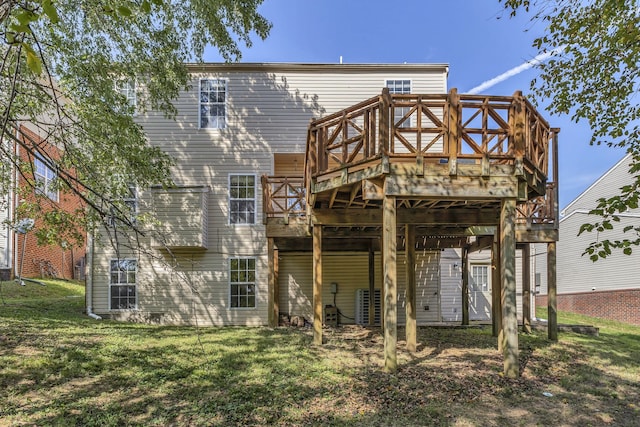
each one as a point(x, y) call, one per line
point(362, 306)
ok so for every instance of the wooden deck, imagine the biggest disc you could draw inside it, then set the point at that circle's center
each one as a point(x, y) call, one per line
point(443, 170)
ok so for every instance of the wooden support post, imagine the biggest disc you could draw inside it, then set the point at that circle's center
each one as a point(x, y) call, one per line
point(274, 311)
point(410, 271)
point(453, 134)
point(496, 289)
point(389, 255)
point(465, 285)
point(518, 123)
point(384, 125)
point(317, 284)
point(552, 292)
point(509, 305)
point(526, 288)
point(372, 285)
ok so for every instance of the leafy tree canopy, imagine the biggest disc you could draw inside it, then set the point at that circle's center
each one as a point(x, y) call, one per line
point(594, 75)
point(62, 63)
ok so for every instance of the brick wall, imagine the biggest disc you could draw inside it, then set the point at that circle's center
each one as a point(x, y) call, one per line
point(41, 259)
point(622, 305)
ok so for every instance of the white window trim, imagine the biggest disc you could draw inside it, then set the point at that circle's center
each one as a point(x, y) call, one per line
point(118, 87)
point(488, 267)
point(123, 284)
point(386, 84)
point(226, 103)
point(255, 283)
point(47, 182)
point(255, 200)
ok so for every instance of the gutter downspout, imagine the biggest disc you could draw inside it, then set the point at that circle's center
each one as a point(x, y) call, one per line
point(88, 280)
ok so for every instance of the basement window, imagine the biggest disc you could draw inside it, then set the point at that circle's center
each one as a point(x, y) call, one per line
point(122, 284)
point(242, 282)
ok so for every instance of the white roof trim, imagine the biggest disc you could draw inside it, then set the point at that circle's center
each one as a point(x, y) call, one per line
point(626, 157)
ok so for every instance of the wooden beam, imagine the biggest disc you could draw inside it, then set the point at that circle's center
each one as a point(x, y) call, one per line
point(509, 305)
point(452, 187)
point(372, 285)
point(496, 291)
point(390, 284)
point(453, 135)
point(526, 288)
point(373, 217)
point(317, 285)
point(552, 292)
point(539, 233)
point(465, 285)
point(410, 271)
point(373, 189)
point(274, 311)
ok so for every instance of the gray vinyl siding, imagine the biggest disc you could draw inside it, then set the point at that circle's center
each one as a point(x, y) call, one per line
point(268, 111)
point(577, 273)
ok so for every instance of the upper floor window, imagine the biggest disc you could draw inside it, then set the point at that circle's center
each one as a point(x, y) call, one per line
point(45, 179)
point(400, 87)
point(213, 103)
point(127, 88)
point(130, 201)
point(242, 199)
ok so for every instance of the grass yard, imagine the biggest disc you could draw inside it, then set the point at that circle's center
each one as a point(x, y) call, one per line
point(58, 367)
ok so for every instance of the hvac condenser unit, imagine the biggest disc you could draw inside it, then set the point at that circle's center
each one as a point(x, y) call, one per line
point(362, 306)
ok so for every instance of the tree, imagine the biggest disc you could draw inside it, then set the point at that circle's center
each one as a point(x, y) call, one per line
point(63, 65)
point(593, 74)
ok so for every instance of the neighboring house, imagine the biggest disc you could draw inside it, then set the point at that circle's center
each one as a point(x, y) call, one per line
point(608, 288)
point(212, 255)
point(20, 254)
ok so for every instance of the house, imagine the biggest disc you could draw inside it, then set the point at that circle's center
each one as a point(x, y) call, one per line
point(308, 190)
point(20, 253)
point(608, 288)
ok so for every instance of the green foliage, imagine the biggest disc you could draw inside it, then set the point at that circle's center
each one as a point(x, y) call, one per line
point(593, 76)
point(61, 60)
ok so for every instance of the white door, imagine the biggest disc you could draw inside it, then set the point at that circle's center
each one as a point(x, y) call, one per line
point(480, 292)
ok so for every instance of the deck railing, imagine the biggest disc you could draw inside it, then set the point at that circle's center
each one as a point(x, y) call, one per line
point(444, 128)
point(283, 197)
point(540, 210)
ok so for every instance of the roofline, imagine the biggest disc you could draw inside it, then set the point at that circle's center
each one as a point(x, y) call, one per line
point(311, 67)
point(627, 156)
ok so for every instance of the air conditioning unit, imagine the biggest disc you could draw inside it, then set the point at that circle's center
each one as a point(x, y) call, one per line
point(362, 306)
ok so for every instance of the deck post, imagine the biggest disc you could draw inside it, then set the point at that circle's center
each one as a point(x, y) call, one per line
point(453, 134)
point(526, 288)
point(317, 284)
point(552, 292)
point(372, 285)
point(496, 290)
point(274, 311)
point(410, 271)
point(389, 243)
point(465, 286)
point(384, 123)
point(509, 305)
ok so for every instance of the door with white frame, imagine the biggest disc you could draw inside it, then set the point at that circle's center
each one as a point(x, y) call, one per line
point(480, 292)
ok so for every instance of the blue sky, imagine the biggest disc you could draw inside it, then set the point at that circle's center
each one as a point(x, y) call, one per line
point(476, 38)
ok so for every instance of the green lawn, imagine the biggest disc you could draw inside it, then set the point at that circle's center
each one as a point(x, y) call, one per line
point(59, 367)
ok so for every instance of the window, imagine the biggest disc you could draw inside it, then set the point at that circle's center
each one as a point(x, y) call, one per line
point(122, 284)
point(45, 179)
point(242, 199)
point(130, 201)
point(127, 88)
point(213, 100)
point(480, 278)
point(242, 280)
point(400, 87)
